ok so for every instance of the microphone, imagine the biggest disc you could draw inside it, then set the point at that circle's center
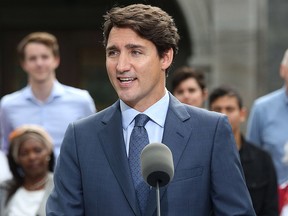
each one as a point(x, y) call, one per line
point(157, 164)
point(157, 167)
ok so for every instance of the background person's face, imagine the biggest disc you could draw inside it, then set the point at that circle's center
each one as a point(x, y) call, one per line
point(189, 92)
point(33, 158)
point(134, 68)
point(228, 105)
point(39, 62)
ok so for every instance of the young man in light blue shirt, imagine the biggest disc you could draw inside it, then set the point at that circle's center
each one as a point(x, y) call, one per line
point(44, 101)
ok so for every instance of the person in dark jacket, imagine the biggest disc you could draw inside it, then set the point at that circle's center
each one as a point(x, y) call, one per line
point(257, 164)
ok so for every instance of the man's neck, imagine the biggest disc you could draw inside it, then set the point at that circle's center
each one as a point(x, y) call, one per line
point(238, 140)
point(42, 90)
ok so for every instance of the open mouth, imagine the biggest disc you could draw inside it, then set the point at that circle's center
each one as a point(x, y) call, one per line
point(126, 80)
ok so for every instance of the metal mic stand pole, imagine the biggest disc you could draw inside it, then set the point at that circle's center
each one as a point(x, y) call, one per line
point(158, 199)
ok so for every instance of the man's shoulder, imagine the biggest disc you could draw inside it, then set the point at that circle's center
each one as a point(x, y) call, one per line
point(196, 114)
point(100, 116)
point(256, 150)
point(201, 116)
point(204, 113)
point(75, 91)
point(75, 95)
point(269, 98)
point(12, 98)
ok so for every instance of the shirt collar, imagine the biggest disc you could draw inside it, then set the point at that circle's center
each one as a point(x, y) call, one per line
point(285, 94)
point(157, 112)
point(57, 91)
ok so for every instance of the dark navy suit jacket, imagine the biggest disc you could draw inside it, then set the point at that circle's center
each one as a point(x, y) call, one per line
point(92, 175)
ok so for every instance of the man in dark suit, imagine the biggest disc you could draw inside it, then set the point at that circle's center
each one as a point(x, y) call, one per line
point(257, 164)
point(93, 174)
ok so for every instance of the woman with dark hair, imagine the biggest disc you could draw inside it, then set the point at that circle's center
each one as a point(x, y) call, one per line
point(189, 87)
point(31, 161)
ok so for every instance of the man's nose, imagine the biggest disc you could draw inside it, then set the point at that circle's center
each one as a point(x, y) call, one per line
point(39, 61)
point(123, 63)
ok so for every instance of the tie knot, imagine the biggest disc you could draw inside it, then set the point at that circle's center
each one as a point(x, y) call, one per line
point(141, 120)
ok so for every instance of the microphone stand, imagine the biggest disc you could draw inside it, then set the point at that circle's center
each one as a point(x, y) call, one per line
point(158, 199)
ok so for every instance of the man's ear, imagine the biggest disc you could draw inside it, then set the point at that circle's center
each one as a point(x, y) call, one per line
point(283, 70)
point(57, 61)
point(23, 65)
point(243, 114)
point(167, 59)
point(205, 93)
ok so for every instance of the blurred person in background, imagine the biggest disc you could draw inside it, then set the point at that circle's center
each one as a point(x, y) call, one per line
point(31, 161)
point(268, 128)
point(44, 101)
point(5, 172)
point(258, 167)
point(188, 86)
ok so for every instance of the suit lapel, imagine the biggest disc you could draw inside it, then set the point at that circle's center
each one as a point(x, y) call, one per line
point(113, 144)
point(175, 137)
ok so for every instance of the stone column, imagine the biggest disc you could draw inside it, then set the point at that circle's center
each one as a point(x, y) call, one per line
point(238, 46)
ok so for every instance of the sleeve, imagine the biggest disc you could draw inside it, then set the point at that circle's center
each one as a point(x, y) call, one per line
point(253, 133)
point(90, 108)
point(66, 198)
point(5, 128)
point(229, 193)
point(5, 172)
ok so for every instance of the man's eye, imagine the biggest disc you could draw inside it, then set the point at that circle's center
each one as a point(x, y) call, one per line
point(230, 109)
point(179, 92)
point(111, 53)
point(192, 90)
point(136, 52)
point(45, 56)
point(32, 58)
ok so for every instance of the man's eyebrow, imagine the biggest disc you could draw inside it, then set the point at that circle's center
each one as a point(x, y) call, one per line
point(113, 47)
point(131, 46)
point(128, 46)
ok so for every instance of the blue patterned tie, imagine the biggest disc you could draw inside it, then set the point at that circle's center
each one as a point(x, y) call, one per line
point(138, 140)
